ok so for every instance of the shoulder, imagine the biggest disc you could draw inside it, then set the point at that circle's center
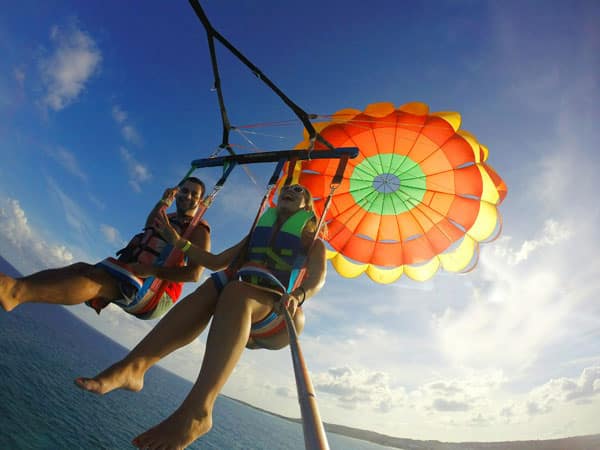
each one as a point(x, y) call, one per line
point(318, 246)
point(200, 236)
point(204, 224)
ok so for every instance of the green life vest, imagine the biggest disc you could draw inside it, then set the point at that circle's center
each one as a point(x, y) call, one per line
point(278, 252)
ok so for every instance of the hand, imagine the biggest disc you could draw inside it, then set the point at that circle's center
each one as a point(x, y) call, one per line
point(143, 270)
point(289, 302)
point(169, 195)
point(164, 227)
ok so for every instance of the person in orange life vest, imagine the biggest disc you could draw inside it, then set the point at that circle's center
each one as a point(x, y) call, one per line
point(244, 308)
point(112, 280)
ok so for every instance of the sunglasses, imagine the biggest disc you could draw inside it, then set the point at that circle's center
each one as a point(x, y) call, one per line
point(295, 188)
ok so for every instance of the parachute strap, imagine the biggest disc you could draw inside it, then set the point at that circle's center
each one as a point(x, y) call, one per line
point(298, 272)
point(291, 167)
point(213, 34)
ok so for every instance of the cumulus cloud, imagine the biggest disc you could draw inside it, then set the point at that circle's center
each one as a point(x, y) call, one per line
point(460, 395)
point(138, 173)
point(564, 389)
point(69, 162)
point(73, 60)
point(356, 388)
point(553, 397)
point(441, 404)
point(17, 234)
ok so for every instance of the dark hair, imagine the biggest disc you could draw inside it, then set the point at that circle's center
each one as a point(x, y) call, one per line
point(197, 181)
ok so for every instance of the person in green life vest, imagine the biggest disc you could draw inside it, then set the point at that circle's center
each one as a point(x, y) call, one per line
point(112, 279)
point(243, 302)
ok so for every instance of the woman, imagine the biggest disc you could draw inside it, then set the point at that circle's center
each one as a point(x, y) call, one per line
point(245, 312)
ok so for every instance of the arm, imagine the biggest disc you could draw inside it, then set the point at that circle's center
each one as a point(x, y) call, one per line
point(316, 269)
point(313, 281)
point(210, 260)
point(196, 252)
point(193, 270)
point(163, 204)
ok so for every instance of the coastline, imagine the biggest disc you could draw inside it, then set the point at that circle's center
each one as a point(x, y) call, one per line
point(587, 442)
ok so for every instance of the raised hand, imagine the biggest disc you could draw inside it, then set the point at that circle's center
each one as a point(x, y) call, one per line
point(166, 230)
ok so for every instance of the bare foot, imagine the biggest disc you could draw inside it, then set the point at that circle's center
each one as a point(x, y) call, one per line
point(176, 432)
point(118, 376)
point(8, 300)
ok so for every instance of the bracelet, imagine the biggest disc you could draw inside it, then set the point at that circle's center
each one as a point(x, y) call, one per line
point(165, 202)
point(186, 246)
point(303, 295)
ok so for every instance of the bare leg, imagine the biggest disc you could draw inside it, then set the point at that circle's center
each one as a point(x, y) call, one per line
point(180, 326)
point(69, 285)
point(238, 306)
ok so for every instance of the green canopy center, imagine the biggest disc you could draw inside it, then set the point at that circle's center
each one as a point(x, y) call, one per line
point(387, 184)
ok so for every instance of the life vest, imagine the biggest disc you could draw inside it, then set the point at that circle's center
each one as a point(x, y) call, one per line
point(149, 247)
point(277, 252)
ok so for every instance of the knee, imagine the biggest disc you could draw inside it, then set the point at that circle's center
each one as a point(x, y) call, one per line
point(299, 320)
point(82, 268)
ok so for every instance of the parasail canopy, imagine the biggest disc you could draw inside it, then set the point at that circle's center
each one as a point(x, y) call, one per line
point(419, 195)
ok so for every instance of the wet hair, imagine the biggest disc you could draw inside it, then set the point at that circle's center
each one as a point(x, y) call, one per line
point(197, 181)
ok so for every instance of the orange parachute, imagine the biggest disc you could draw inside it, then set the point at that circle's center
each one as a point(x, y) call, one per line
point(418, 196)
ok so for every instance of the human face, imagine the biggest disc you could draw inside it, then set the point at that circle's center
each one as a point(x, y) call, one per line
point(292, 198)
point(188, 197)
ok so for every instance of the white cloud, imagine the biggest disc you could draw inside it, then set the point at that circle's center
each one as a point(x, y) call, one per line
point(357, 388)
point(75, 58)
point(68, 160)
point(111, 234)
point(26, 243)
point(466, 398)
point(129, 132)
point(75, 216)
point(238, 198)
point(119, 115)
point(570, 389)
point(552, 234)
point(138, 173)
point(528, 295)
point(131, 135)
point(517, 308)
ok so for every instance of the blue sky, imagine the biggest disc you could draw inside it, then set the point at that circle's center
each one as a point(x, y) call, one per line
point(103, 106)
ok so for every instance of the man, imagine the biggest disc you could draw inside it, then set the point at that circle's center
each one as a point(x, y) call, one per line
point(113, 280)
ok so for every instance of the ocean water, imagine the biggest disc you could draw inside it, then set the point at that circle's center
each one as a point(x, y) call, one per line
point(43, 348)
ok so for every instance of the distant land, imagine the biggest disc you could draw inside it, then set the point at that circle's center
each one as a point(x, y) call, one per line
point(590, 442)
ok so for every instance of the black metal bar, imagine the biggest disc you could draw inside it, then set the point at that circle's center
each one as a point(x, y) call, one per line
point(300, 113)
point(262, 157)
